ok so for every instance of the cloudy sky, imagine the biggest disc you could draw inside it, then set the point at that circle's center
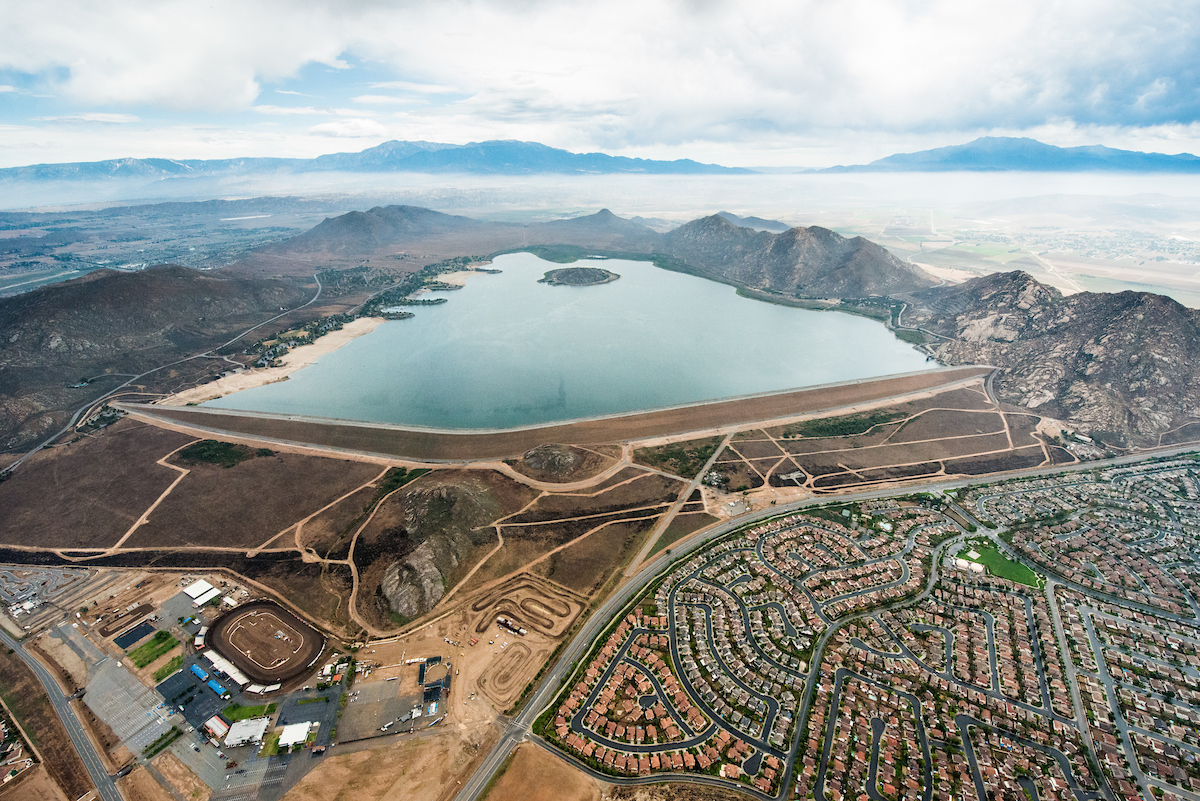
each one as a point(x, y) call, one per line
point(803, 82)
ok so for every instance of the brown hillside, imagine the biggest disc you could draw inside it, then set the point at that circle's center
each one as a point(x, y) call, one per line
point(1124, 365)
point(806, 261)
point(113, 322)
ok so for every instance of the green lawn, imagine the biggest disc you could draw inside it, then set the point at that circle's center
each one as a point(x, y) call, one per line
point(1000, 565)
point(236, 712)
point(171, 667)
point(153, 648)
point(270, 746)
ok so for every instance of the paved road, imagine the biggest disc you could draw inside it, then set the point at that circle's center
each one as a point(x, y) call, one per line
point(91, 760)
point(519, 728)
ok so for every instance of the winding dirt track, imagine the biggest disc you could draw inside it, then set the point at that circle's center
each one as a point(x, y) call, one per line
point(457, 446)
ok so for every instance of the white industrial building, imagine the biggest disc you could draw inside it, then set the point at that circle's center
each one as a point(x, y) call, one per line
point(295, 734)
point(244, 732)
point(228, 668)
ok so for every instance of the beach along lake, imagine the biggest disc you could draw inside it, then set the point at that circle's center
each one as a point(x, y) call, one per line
point(507, 351)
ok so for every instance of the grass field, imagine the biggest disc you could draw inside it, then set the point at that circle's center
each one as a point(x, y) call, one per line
point(682, 526)
point(171, 667)
point(236, 712)
point(152, 649)
point(1000, 565)
point(270, 746)
point(225, 454)
point(681, 458)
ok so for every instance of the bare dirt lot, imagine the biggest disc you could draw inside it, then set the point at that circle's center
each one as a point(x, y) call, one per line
point(186, 783)
point(59, 499)
point(447, 446)
point(425, 768)
point(34, 784)
point(534, 774)
point(246, 505)
point(141, 786)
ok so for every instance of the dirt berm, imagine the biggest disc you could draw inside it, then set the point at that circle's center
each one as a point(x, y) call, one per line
point(457, 446)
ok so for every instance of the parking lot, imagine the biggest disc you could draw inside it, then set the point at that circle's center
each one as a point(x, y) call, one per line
point(125, 704)
point(306, 705)
point(374, 705)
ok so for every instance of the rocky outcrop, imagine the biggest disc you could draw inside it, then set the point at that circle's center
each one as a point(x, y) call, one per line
point(1123, 366)
point(811, 261)
point(421, 535)
point(415, 583)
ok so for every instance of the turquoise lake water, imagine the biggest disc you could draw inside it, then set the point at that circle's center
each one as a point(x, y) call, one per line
point(507, 351)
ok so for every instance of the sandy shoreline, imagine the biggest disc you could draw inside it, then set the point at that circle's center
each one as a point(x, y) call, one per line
point(298, 358)
point(295, 359)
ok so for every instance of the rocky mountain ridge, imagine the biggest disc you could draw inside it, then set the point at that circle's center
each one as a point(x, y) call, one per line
point(1009, 153)
point(810, 261)
point(1124, 366)
point(813, 261)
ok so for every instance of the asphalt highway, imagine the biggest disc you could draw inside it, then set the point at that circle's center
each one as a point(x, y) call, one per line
point(104, 783)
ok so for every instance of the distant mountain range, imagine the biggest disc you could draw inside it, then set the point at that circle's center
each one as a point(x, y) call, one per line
point(757, 223)
point(488, 158)
point(1003, 153)
point(811, 261)
point(507, 157)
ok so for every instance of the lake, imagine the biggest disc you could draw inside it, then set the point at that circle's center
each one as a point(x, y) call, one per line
point(506, 351)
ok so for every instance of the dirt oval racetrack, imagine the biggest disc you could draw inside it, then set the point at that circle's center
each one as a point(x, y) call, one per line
point(266, 642)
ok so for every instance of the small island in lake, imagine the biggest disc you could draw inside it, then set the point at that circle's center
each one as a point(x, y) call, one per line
point(578, 276)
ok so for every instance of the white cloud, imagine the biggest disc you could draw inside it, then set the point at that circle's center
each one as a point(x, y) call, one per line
point(288, 110)
point(418, 88)
point(352, 128)
point(6, 88)
point(92, 116)
point(385, 100)
point(644, 76)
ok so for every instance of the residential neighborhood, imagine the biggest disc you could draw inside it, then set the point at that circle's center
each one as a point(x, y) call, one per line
point(1029, 639)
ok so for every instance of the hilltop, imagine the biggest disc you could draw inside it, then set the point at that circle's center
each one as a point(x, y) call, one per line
point(115, 322)
point(1123, 366)
point(810, 261)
